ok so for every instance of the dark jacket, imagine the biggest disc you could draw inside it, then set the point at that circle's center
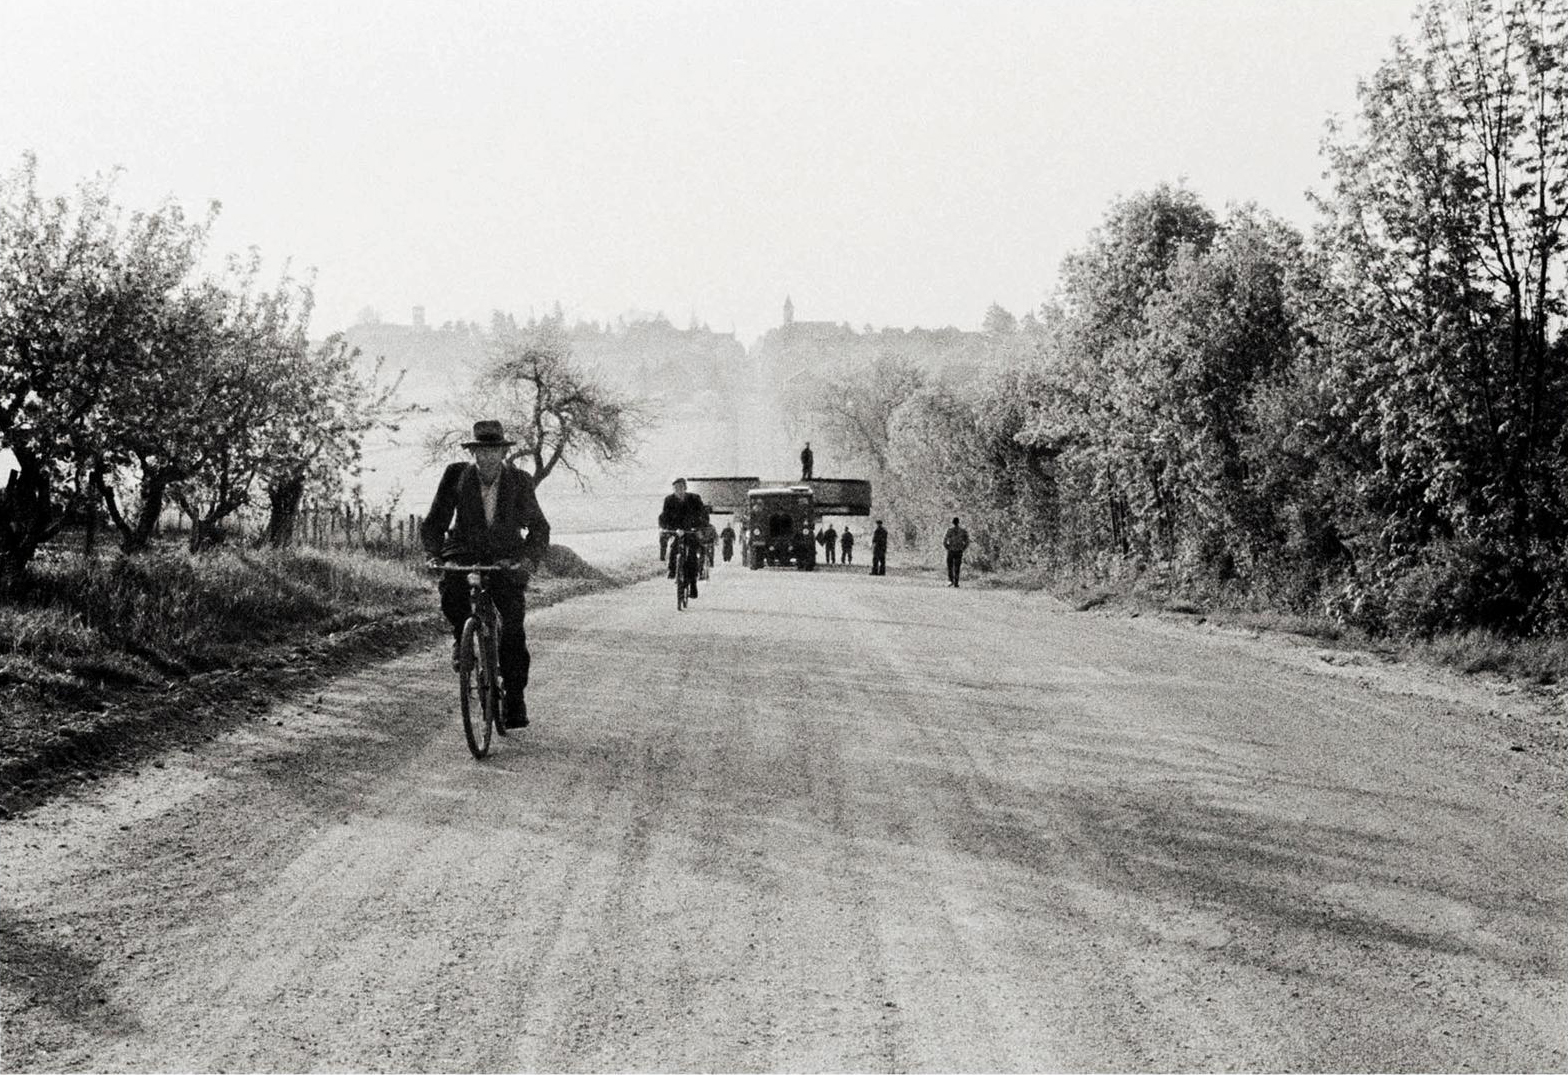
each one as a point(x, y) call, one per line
point(683, 511)
point(879, 538)
point(516, 508)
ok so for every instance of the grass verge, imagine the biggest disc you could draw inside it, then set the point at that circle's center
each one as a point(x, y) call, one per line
point(103, 664)
point(1537, 661)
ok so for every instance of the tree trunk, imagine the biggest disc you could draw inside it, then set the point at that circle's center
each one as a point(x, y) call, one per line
point(284, 501)
point(26, 517)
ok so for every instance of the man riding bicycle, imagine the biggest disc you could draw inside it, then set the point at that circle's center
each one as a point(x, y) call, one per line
point(493, 504)
point(686, 512)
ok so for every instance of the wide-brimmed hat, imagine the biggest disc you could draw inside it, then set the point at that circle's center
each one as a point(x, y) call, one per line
point(488, 434)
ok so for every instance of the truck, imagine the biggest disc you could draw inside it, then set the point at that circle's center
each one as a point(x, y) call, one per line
point(776, 522)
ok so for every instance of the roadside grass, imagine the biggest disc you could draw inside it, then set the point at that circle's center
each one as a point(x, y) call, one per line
point(83, 623)
point(1535, 660)
point(1542, 661)
point(106, 661)
point(139, 620)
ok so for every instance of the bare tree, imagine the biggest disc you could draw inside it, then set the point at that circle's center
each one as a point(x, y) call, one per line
point(560, 414)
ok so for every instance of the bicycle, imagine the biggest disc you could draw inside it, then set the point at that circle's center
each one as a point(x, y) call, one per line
point(680, 548)
point(478, 661)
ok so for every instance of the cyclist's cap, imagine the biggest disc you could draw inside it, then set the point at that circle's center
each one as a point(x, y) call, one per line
point(677, 481)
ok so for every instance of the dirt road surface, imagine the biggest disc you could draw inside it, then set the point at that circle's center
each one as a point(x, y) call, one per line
point(820, 821)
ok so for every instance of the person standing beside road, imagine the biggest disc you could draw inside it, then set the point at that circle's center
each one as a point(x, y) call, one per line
point(684, 511)
point(493, 503)
point(727, 539)
point(879, 549)
point(830, 543)
point(847, 542)
point(955, 541)
point(805, 462)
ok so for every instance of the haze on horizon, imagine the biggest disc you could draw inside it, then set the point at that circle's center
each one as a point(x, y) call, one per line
point(888, 164)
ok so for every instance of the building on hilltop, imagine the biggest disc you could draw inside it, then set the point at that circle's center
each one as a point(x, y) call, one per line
point(797, 349)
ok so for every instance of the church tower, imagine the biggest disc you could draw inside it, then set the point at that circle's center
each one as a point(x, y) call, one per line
point(789, 311)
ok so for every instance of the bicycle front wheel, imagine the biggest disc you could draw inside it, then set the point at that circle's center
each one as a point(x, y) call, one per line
point(474, 691)
point(490, 685)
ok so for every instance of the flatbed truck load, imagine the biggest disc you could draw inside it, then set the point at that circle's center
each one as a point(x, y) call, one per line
point(777, 521)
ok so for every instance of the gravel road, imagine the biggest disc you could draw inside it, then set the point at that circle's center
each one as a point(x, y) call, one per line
point(820, 822)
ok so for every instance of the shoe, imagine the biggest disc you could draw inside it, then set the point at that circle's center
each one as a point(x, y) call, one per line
point(516, 713)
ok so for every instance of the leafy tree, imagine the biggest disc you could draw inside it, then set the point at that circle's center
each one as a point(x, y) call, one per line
point(1445, 224)
point(319, 434)
point(155, 435)
point(1223, 325)
point(1097, 411)
point(84, 296)
point(252, 379)
point(998, 322)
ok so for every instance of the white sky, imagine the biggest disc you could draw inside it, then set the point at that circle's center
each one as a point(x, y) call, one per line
point(891, 163)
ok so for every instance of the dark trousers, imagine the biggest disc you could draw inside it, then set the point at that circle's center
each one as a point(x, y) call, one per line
point(878, 561)
point(664, 544)
point(512, 653)
point(729, 550)
point(693, 562)
point(955, 560)
point(849, 553)
point(828, 548)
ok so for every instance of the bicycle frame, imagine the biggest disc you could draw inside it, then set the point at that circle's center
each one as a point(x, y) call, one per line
point(478, 659)
point(685, 563)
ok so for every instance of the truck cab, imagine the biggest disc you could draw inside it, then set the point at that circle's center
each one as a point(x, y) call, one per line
point(781, 527)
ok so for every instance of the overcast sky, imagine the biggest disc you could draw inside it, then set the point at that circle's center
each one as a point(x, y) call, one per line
point(885, 163)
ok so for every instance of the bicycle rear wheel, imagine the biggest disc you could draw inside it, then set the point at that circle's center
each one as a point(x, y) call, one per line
point(474, 691)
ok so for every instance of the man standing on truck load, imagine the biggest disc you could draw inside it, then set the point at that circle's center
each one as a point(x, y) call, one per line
point(684, 511)
point(492, 503)
point(727, 538)
point(879, 550)
point(955, 541)
point(847, 542)
point(805, 462)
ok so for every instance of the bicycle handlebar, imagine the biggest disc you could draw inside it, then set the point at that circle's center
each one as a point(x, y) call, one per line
point(469, 568)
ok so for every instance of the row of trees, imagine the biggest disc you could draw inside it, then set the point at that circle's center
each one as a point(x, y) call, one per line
point(131, 380)
point(1372, 420)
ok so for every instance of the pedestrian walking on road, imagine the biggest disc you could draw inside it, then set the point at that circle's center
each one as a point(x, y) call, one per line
point(830, 543)
point(955, 541)
point(727, 539)
point(847, 542)
point(879, 550)
point(805, 462)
